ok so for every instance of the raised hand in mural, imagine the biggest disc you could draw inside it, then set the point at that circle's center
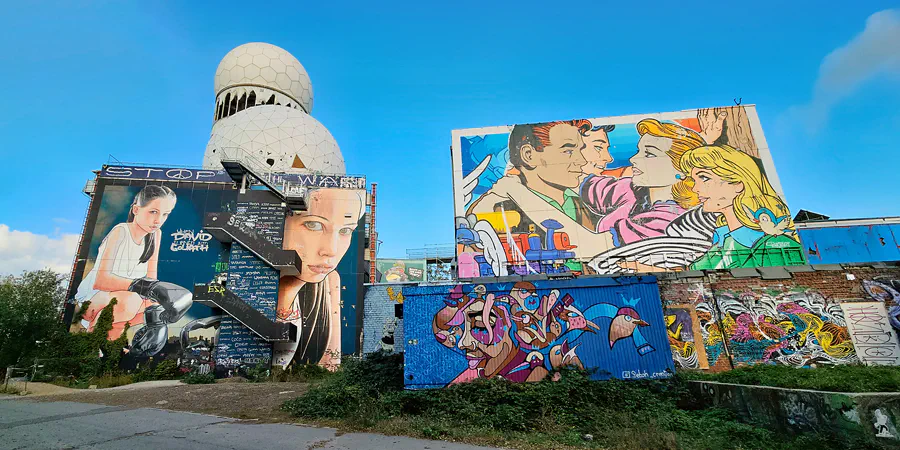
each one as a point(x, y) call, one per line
point(712, 123)
point(470, 180)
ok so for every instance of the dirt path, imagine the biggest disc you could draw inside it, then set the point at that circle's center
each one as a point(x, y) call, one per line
point(230, 399)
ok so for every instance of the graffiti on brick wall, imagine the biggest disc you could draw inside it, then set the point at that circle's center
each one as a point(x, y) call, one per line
point(887, 291)
point(685, 190)
point(873, 337)
point(383, 319)
point(796, 328)
point(685, 337)
point(526, 332)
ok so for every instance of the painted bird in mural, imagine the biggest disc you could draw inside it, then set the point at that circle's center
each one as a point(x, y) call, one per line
point(624, 324)
point(769, 222)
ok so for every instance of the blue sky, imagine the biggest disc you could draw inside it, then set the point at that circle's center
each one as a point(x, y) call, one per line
point(85, 80)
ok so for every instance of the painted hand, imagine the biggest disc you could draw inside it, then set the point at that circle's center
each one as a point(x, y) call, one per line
point(470, 180)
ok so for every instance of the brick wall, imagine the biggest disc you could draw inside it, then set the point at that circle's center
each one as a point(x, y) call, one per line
point(795, 321)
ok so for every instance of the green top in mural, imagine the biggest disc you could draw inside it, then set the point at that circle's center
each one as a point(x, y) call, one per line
point(400, 270)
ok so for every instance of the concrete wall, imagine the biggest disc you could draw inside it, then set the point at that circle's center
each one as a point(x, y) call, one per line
point(798, 410)
point(797, 321)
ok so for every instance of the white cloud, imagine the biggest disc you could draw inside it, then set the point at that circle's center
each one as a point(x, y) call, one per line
point(873, 52)
point(23, 250)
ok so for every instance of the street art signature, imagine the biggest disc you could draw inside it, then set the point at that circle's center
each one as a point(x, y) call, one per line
point(674, 191)
point(520, 335)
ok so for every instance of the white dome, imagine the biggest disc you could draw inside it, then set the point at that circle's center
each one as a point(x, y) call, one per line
point(278, 137)
point(268, 66)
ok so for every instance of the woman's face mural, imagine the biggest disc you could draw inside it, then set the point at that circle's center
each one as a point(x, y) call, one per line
point(716, 194)
point(651, 165)
point(154, 214)
point(322, 234)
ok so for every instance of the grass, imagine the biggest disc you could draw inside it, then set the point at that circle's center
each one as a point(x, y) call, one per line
point(102, 382)
point(844, 378)
point(367, 395)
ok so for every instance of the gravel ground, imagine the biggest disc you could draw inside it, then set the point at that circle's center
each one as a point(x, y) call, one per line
point(240, 400)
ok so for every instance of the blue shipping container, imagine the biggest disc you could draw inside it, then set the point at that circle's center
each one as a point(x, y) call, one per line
point(851, 244)
point(524, 331)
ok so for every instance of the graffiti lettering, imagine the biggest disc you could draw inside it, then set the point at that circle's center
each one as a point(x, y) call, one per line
point(875, 341)
point(190, 241)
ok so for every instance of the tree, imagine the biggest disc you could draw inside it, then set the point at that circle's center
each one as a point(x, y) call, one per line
point(29, 312)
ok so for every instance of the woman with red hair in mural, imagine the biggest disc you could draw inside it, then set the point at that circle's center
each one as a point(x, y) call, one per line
point(311, 300)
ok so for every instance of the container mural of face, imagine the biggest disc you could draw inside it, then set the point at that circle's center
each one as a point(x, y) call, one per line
point(640, 193)
point(496, 330)
point(321, 236)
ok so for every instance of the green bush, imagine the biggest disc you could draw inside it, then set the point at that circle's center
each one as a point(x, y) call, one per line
point(842, 378)
point(166, 370)
point(257, 374)
point(195, 377)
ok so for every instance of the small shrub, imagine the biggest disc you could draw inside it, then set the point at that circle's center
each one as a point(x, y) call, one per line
point(258, 373)
point(195, 377)
point(166, 370)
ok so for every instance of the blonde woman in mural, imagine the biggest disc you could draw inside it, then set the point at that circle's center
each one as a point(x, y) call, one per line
point(754, 226)
point(311, 300)
point(642, 206)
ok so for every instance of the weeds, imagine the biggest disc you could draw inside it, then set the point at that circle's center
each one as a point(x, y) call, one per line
point(367, 394)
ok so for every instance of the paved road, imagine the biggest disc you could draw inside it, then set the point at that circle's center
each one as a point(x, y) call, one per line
point(28, 425)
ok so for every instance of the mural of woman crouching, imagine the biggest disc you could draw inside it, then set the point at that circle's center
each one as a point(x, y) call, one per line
point(321, 236)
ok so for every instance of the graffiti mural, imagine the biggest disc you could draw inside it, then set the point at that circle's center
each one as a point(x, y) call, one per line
point(400, 270)
point(383, 322)
point(527, 331)
point(794, 328)
point(685, 337)
point(321, 235)
point(144, 245)
point(873, 337)
point(673, 191)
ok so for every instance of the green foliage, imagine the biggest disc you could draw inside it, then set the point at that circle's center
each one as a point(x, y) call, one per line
point(842, 378)
point(166, 370)
point(299, 373)
point(195, 377)
point(367, 394)
point(258, 373)
point(29, 314)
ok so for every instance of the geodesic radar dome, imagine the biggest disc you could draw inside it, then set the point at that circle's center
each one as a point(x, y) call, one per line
point(285, 139)
point(269, 66)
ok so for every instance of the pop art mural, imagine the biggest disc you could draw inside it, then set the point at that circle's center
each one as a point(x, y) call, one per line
point(400, 270)
point(675, 191)
point(526, 331)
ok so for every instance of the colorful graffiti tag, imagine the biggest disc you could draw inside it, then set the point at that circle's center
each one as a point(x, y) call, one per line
point(685, 337)
point(527, 331)
point(673, 191)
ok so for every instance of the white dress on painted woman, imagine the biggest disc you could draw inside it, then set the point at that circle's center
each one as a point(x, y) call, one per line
point(126, 263)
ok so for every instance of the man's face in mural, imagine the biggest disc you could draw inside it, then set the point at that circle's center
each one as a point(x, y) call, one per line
point(529, 300)
point(716, 194)
point(477, 341)
point(596, 152)
point(154, 214)
point(321, 235)
point(652, 166)
point(559, 164)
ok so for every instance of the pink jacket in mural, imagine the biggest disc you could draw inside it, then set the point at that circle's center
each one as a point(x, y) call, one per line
point(614, 200)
